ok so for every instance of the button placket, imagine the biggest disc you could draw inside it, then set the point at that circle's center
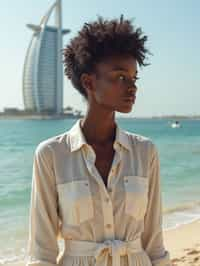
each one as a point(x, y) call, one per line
point(107, 208)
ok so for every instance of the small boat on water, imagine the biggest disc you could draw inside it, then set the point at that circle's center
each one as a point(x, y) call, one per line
point(175, 124)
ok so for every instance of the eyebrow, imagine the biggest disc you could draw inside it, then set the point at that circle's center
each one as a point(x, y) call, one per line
point(121, 69)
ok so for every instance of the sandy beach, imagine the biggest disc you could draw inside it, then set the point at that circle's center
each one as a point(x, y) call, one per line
point(183, 243)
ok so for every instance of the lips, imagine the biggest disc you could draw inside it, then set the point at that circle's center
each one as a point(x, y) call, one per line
point(130, 98)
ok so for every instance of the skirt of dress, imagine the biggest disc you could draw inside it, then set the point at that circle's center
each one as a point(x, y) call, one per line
point(136, 259)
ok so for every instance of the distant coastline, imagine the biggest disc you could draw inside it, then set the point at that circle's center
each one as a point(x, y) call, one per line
point(5, 116)
point(70, 112)
point(38, 116)
point(171, 117)
point(15, 113)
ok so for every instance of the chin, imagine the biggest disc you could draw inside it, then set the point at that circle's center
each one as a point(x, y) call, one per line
point(124, 109)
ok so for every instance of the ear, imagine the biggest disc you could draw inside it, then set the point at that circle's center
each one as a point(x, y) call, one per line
point(86, 82)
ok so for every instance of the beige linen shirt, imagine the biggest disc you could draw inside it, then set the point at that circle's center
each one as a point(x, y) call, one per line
point(117, 225)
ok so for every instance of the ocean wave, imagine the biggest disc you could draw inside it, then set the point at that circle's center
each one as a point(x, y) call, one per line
point(183, 207)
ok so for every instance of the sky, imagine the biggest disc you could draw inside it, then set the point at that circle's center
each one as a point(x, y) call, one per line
point(169, 86)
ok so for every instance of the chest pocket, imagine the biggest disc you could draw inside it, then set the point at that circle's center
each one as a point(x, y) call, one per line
point(136, 196)
point(75, 202)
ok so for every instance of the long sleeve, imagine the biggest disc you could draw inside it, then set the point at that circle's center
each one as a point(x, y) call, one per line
point(43, 218)
point(152, 237)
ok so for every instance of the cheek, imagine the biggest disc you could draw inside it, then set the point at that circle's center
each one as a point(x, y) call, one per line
point(108, 97)
point(108, 94)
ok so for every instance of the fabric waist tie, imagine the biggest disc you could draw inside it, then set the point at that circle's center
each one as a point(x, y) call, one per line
point(101, 250)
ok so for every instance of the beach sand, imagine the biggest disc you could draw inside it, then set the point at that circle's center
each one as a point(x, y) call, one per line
point(183, 243)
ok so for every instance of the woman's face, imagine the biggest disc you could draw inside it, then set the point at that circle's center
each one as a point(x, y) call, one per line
point(113, 87)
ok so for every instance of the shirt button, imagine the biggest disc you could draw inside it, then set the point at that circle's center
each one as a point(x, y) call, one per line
point(107, 200)
point(108, 225)
point(109, 189)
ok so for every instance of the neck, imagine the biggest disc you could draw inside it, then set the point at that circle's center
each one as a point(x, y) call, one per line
point(99, 128)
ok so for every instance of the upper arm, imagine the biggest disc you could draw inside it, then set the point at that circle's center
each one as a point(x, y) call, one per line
point(43, 216)
point(152, 237)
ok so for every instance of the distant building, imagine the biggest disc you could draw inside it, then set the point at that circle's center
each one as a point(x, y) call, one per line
point(43, 69)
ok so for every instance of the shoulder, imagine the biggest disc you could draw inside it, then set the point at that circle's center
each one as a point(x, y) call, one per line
point(51, 145)
point(140, 141)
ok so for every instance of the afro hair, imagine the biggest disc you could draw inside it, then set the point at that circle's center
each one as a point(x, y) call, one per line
point(98, 40)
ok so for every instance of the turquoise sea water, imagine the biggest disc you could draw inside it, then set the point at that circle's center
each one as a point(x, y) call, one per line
point(179, 150)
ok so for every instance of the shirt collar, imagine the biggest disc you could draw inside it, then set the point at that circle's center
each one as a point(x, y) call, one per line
point(77, 138)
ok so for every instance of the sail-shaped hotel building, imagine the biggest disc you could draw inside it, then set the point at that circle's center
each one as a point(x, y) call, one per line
point(43, 68)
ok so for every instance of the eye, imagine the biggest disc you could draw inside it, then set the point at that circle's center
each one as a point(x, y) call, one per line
point(121, 77)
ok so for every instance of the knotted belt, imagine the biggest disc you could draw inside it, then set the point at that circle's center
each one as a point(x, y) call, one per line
point(102, 250)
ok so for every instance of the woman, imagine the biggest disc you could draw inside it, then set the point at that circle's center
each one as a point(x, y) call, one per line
point(98, 186)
